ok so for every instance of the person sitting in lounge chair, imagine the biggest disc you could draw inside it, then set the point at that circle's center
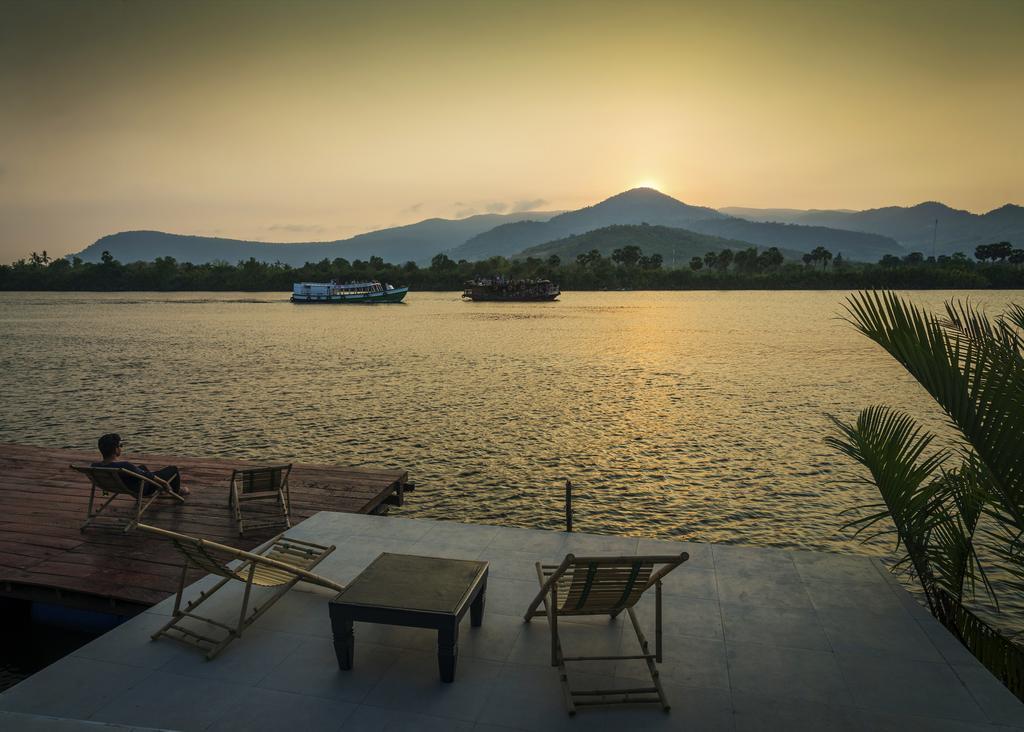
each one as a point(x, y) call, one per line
point(110, 449)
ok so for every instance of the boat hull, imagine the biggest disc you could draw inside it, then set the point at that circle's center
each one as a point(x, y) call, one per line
point(484, 297)
point(369, 298)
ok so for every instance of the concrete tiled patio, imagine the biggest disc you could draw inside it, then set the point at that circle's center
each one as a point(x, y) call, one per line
point(756, 639)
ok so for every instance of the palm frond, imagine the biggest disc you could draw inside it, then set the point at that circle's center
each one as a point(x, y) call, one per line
point(973, 371)
point(933, 513)
point(1014, 316)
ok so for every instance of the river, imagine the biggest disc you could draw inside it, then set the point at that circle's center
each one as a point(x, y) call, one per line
point(688, 415)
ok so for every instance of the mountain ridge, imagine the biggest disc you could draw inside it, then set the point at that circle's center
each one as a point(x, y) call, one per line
point(914, 227)
point(416, 242)
point(645, 205)
point(859, 235)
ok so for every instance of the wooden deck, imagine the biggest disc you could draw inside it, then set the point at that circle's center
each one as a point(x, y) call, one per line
point(44, 556)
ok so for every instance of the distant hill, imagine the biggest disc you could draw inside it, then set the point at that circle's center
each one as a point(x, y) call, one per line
point(636, 206)
point(858, 235)
point(417, 242)
point(645, 205)
point(676, 246)
point(854, 245)
point(913, 227)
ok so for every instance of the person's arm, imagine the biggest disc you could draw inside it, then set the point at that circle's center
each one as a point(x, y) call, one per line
point(150, 477)
point(137, 469)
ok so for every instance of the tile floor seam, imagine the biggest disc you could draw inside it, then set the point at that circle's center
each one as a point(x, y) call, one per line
point(970, 693)
point(725, 646)
point(828, 639)
point(298, 696)
point(486, 701)
point(129, 688)
point(441, 717)
point(940, 664)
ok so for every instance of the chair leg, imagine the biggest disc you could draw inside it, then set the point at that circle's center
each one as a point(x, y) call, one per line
point(657, 621)
point(235, 501)
point(92, 502)
point(245, 599)
point(92, 516)
point(286, 505)
point(556, 646)
point(140, 508)
point(655, 676)
point(181, 587)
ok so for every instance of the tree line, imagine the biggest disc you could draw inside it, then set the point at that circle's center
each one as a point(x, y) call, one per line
point(993, 266)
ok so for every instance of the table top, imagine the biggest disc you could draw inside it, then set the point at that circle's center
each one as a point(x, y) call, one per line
point(409, 582)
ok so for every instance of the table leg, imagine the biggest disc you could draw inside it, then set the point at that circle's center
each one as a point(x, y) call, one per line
point(344, 642)
point(476, 610)
point(448, 651)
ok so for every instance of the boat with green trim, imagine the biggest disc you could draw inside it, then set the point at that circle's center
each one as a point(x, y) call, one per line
point(348, 292)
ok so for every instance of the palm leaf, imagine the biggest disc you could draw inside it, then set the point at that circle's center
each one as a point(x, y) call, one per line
point(973, 371)
point(934, 513)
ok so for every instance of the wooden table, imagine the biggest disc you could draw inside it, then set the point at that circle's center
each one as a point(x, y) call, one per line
point(417, 592)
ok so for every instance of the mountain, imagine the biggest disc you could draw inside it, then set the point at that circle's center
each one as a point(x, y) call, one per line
point(676, 246)
point(858, 235)
point(645, 205)
point(913, 227)
point(636, 206)
point(417, 242)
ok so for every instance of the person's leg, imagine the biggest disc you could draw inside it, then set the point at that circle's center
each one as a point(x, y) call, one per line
point(173, 478)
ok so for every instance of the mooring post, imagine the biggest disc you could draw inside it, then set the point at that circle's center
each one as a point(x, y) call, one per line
point(568, 505)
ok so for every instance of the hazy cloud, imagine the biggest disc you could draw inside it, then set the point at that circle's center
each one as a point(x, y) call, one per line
point(530, 205)
point(462, 210)
point(297, 228)
point(413, 209)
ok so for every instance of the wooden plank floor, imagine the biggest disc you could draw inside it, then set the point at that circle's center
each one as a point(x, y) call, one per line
point(44, 556)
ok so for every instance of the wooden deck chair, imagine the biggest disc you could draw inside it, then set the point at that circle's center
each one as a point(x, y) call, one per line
point(281, 563)
point(112, 481)
point(600, 586)
point(265, 486)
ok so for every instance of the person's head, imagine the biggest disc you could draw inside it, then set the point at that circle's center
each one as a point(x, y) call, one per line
point(110, 445)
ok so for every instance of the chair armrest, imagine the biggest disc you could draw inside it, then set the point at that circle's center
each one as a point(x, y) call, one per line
point(155, 480)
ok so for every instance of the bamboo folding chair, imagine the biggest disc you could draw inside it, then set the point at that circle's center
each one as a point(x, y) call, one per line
point(267, 485)
point(112, 481)
point(281, 563)
point(599, 586)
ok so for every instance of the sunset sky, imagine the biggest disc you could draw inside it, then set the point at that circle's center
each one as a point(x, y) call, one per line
point(299, 121)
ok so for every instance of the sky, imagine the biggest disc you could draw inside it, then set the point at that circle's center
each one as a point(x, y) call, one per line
point(310, 121)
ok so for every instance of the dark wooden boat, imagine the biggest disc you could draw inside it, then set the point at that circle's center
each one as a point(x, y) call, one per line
point(499, 289)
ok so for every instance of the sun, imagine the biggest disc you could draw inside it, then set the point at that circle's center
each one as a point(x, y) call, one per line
point(648, 183)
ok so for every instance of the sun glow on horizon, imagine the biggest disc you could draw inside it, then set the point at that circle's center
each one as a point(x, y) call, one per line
point(648, 183)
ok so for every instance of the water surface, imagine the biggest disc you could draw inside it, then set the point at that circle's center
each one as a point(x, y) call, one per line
point(688, 415)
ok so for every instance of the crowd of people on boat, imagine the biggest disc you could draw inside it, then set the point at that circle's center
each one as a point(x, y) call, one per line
point(505, 286)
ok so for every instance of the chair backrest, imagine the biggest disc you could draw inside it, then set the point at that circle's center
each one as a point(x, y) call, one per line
point(285, 559)
point(110, 480)
point(260, 480)
point(597, 585)
point(204, 556)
